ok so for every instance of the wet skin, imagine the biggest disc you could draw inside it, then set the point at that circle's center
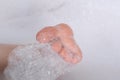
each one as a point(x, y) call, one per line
point(60, 37)
point(62, 41)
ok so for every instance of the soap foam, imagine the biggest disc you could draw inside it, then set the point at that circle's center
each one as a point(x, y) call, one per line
point(35, 62)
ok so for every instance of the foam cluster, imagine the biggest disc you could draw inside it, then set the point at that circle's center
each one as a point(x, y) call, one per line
point(35, 62)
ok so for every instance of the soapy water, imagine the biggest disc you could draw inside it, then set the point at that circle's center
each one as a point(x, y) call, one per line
point(35, 62)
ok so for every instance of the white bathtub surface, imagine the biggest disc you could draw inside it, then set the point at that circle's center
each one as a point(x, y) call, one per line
point(96, 24)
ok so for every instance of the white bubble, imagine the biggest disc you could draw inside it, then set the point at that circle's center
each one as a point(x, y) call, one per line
point(38, 62)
